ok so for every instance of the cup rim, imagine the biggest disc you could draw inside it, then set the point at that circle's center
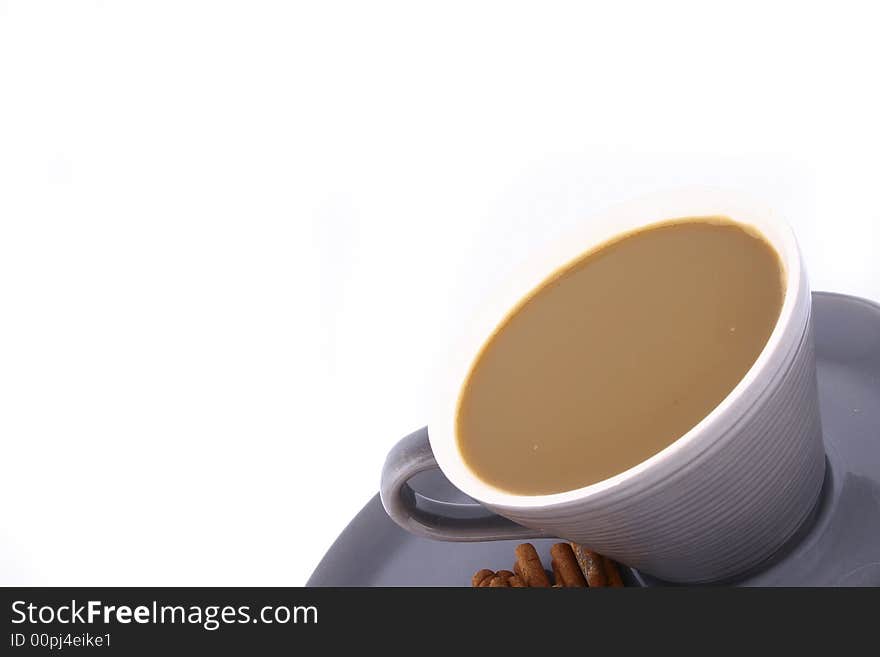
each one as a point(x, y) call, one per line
point(619, 220)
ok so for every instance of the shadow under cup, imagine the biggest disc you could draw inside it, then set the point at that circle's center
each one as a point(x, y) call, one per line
point(716, 503)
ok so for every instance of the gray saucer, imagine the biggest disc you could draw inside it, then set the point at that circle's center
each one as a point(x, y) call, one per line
point(838, 546)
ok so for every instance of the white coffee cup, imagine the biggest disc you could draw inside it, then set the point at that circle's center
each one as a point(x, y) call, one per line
point(718, 501)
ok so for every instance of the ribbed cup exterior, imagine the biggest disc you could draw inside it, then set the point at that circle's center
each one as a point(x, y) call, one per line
point(723, 504)
point(723, 497)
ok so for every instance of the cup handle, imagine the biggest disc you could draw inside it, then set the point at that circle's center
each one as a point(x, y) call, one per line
point(413, 455)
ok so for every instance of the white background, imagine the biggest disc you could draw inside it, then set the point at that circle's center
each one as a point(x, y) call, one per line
point(235, 238)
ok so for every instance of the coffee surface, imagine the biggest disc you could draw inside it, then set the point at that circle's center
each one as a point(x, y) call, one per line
point(618, 354)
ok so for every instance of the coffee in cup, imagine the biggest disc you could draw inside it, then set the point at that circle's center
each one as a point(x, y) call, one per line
point(618, 354)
